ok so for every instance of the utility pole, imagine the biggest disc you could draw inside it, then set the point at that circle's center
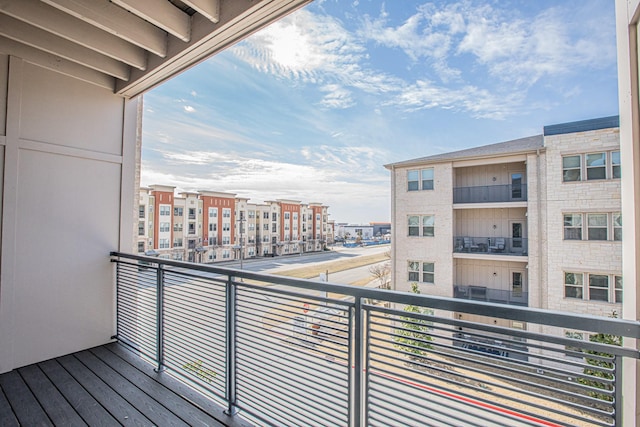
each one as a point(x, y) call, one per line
point(241, 221)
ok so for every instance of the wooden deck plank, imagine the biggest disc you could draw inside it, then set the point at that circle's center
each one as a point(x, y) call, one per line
point(7, 418)
point(121, 410)
point(137, 397)
point(52, 401)
point(189, 413)
point(24, 404)
point(190, 394)
point(87, 407)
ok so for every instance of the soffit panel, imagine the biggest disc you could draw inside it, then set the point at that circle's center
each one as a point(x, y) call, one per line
point(130, 46)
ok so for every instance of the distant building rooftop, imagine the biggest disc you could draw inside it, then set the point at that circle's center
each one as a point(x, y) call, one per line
point(530, 143)
point(521, 145)
point(582, 126)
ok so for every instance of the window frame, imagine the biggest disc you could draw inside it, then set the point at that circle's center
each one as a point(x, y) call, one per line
point(595, 228)
point(592, 287)
point(602, 155)
point(572, 226)
point(579, 287)
point(566, 169)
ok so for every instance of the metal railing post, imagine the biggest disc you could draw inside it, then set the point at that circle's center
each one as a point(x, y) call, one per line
point(617, 391)
point(231, 297)
point(160, 318)
point(358, 351)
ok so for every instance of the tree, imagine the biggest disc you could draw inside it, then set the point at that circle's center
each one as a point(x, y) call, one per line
point(382, 271)
point(413, 337)
point(603, 339)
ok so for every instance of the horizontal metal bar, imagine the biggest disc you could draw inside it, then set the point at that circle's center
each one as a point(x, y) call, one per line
point(626, 328)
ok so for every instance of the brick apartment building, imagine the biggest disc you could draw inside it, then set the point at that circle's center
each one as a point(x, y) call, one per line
point(210, 226)
point(535, 221)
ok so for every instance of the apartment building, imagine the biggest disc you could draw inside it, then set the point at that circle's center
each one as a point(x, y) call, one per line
point(534, 221)
point(210, 226)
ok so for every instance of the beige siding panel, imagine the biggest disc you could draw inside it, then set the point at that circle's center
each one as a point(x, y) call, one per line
point(54, 110)
point(4, 73)
point(65, 218)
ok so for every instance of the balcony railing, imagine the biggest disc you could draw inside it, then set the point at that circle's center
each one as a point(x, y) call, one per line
point(491, 245)
point(483, 293)
point(490, 194)
point(288, 352)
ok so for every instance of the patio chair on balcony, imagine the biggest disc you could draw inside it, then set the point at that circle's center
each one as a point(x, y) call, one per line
point(498, 245)
point(469, 246)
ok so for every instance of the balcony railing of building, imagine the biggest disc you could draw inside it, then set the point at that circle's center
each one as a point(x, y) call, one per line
point(490, 194)
point(491, 245)
point(280, 351)
point(483, 293)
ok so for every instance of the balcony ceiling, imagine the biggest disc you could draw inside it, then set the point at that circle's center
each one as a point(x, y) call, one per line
point(129, 46)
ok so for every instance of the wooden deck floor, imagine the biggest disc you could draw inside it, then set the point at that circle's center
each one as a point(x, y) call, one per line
point(103, 386)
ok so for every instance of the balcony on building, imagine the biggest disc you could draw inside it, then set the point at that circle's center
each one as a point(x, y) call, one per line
point(483, 293)
point(493, 246)
point(503, 184)
point(207, 345)
point(88, 338)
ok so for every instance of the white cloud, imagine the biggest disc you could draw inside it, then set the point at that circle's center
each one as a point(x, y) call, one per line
point(328, 179)
point(189, 109)
point(315, 49)
point(336, 97)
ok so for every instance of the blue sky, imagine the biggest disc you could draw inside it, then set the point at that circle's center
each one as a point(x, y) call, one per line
point(312, 107)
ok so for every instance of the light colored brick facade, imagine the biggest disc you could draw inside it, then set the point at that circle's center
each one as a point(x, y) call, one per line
point(498, 215)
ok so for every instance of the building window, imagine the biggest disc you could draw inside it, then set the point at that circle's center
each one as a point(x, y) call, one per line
point(177, 242)
point(618, 288)
point(213, 226)
point(265, 215)
point(213, 212)
point(617, 226)
point(420, 179)
point(165, 227)
point(140, 228)
point(141, 211)
point(597, 226)
point(596, 166)
point(226, 240)
point(428, 225)
point(286, 216)
point(573, 226)
point(165, 210)
point(573, 285)
point(251, 214)
point(414, 271)
point(413, 184)
point(427, 179)
point(428, 273)
point(615, 165)
point(140, 247)
point(163, 243)
point(192, 213)
point(571, 168)
point(178, 211)
point(177, 226)
point(192, 228)
point(226, 213)
point(598, 287)
point(226, 226)
point(414, 225)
